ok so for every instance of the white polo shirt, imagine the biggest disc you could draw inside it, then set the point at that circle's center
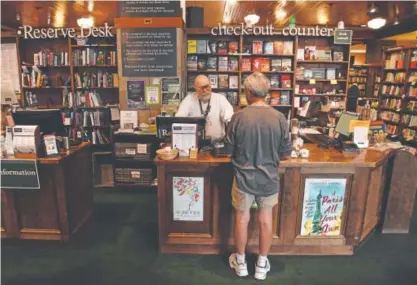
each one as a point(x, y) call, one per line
point(221, 111)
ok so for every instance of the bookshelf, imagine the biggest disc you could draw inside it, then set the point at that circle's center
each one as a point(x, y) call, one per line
point(358, 74)
point(72, 76)
point(281, 58)
point(398, 94)
point(322, 70)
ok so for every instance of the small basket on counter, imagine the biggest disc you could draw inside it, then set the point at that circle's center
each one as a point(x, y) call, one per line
point(167, 154)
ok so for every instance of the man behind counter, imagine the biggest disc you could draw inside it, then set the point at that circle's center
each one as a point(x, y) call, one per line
point(213, 107)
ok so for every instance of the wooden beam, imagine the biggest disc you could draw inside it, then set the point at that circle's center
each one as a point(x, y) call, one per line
point(8, 34)
point(8, 28)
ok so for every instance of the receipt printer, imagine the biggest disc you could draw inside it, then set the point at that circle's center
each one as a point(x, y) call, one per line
point(26, 139)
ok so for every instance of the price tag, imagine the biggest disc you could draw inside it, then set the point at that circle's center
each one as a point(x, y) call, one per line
point(312, 81)
point(135, 174)
point(333, 81)
point(130, 151)
point(142, 148)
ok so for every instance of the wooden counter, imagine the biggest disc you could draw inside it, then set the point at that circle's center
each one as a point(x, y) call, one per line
point(62, 205)
point(360, 178)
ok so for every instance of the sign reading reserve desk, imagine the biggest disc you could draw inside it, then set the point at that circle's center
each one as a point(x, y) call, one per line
point(153, 8)
point(148, 52)
point(19, 174)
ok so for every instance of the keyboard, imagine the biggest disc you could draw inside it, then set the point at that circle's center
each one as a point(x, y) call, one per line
point(320, 139)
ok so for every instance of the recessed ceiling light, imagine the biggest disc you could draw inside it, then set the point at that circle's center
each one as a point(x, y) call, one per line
point(85, 23)
point(280, 14)
point(251, 19)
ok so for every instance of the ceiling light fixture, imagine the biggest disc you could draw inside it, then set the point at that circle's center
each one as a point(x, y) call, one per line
point(90, 6)
point(376, 23)
point(85, 23)
point(232, 1)
point(251, 19)
point(373, 8)
point(280, 14)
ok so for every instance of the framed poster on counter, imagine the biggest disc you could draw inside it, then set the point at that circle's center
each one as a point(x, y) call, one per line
point(188, 198)
point(149, 52)
point(323, 204)
point(136, 94)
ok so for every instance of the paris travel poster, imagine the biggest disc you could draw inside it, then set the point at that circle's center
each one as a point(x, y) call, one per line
point(323, 206)
point(188, 197)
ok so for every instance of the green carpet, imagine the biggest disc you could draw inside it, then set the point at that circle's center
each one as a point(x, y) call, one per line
point(122, 249)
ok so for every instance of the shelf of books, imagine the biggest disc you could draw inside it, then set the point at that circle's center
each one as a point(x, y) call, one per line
point(322, 70)
point(218, 58)
point(70, 75)
point(358, 75)
point(398, 94)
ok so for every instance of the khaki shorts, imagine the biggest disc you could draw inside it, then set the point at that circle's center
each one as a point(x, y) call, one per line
point(244, 201)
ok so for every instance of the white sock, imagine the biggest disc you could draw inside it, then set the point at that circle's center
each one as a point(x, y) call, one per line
point(240, 258)
point(262, 260)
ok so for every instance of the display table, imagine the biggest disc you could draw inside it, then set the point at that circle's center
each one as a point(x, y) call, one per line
point(62, 205)
point(329, 203)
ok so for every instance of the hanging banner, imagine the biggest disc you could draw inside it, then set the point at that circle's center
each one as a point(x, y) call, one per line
point(19, 174)
point(188, 198)
point(323, 206)
point(343, 37)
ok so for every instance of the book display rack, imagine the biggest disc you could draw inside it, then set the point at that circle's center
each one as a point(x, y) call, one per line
point(81, 79)
point(398, 94)
point(299, 68)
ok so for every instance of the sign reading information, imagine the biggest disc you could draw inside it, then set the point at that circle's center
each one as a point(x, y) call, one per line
point(323, 206)
point(188, 198)
point(19, 174)
point(148, 52)
point(153, 8)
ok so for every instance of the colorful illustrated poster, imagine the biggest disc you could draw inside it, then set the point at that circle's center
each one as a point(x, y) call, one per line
point(188, 200)
point(323, 206)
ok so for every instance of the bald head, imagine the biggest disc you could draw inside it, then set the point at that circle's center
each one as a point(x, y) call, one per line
point(202, 87)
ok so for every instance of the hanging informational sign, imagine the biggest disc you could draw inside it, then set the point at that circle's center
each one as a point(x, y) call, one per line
point(171, 91)
point(152, 8)
point(29, 32)
point(148, 52)
point(188, 202)
point(135, 94)
point(19, 174)
point(270, 30)
point(323, 206)
point(343, 37)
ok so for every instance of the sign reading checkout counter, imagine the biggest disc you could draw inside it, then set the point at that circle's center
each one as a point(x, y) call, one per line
point(19, 174)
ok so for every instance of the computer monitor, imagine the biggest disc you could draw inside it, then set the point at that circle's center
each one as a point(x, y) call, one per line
point(310, 109)
point(49, 121)
point(342, 126)
point(164, 126)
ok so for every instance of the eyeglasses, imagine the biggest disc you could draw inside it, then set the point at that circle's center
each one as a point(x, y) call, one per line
point(203, 87)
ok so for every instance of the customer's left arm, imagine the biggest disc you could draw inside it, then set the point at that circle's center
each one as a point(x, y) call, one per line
point(286, 146)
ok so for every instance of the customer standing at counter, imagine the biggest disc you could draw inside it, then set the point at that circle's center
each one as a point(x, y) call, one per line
point(258, 137)
point(213, 107)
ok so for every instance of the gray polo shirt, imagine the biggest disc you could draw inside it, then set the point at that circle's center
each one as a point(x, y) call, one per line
point(258, 136)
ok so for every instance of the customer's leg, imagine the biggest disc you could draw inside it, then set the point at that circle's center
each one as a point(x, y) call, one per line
point(241, 230)
point(265, 230)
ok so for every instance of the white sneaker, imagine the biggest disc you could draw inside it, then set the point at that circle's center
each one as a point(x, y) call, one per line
point(240, 268)
point(260, 272)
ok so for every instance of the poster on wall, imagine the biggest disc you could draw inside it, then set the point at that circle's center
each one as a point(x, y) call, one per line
point(323, 206)
point(152, 96)
point(136, 94)
point(171, 91)
point(188, 202)
point(148, 52)
point(150, 8)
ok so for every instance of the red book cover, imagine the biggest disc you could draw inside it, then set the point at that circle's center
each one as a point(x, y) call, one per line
point(246, 64)
point(256, 64)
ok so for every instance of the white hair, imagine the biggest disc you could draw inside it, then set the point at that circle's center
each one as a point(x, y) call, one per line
point(257, 84)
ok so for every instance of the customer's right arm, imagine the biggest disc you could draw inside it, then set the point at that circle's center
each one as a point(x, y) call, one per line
point(286, 145)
